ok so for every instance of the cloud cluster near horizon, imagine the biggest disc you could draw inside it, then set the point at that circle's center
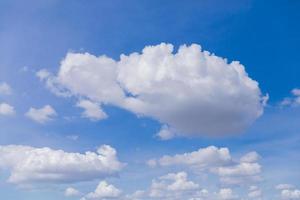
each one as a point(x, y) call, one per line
point(30, 166)
point(191, 92)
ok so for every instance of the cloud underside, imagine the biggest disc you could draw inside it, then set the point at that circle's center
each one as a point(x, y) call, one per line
point(192, 92)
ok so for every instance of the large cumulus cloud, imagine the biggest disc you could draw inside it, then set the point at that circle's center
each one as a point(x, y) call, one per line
point(190, 91)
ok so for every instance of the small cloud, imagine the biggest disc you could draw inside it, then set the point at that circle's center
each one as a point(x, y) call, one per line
point(92, 110)
point(5, 89)
point(172, 186)
point(290, 194)
point(292, 101)
point(104, 191)
point(6, 109)
point(73, 137)
point(250, 157)
point(254, 192)
point(284, 186)
point(165, 133)
point(152, 163)
point(41, 115)
point(43, 74)
point(72, 192)
point(227, 194)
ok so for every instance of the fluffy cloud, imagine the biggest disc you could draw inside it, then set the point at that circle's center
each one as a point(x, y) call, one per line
point(250, 157)
point(6, 109)
point(44, 165)
point(217, 161)
point(246, 171)
point(103, 191)
point(292, 101)
point(137, 195)
point(239, 173)
point(202, 159)
point(72, 192)
point(172, 186)
point(43, 74)
point(192, 91)
point(290, 194)
point(5, 89)
point(41, 115)
point(227, 194)
point(92, 110)
point(165, 133)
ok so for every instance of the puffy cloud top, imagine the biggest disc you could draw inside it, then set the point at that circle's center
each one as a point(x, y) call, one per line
point(217, 161)
point(203, 158)
point(191, 90)
point(6, 109)
point(91, 110)
point(292, 101)
point(41, 115)
point(172, 185)
point(104, 191)
point(28, 164)
point(71, 192)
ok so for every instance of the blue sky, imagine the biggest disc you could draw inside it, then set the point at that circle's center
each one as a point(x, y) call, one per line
point(37, 35)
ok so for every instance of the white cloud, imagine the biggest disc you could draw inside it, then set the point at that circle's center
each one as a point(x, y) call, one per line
point(172, 186)
point(244, 172)
point(202, 159)
point(165, 133)
point(72, 192)
point(284, 186)
point(192, 91)
point(254, 193)
point(227, 194)
point(250, 157)
point(290, 194)
point(292, 101)
point(217, 161)
point(137, 195)
point(296, 91)
point(6, 109)
point(41, 115)
point(43, 74)
point(52, 83)
point(44, 165)
point(104, 191)
point(92, 110)
point(241, 169)
point(5, 89)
